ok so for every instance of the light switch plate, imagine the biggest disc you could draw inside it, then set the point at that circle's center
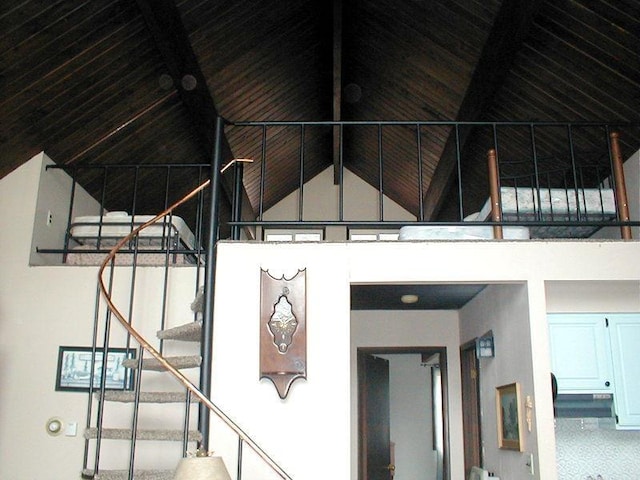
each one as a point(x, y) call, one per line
point(71, 429)
point(529, 463)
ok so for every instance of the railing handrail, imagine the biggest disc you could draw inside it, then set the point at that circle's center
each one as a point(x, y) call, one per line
point(156, 354)
point(451, 123)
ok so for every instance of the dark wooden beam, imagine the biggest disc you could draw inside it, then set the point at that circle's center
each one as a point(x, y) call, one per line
point(337, 85)
point(511, 26)
point(165, 24)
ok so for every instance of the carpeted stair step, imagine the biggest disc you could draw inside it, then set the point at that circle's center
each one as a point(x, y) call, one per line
point(124, 474)
point(186, 361)
point(125, 434)
point(127, 396)
point(197, 306)
point(189, 332)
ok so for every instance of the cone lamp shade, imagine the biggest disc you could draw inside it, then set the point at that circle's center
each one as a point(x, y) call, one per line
point(201, 468)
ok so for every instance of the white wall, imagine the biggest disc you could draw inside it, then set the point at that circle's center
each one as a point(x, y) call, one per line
point(503, 309)
point(592, 296)
point(321, 202)
point(300, 443)
point(54, 198)
point(42, 308)
point(632, 181)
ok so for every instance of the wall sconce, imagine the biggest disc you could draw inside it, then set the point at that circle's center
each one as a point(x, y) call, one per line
point(283, 334)
point(485, 347)
point(201, 468)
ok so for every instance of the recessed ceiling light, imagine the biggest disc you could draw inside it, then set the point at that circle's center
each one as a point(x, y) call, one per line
point(409, 298)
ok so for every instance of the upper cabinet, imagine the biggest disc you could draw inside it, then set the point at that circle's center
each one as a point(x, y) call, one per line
point(599, 353)
point(580, 355)
point(624, 334)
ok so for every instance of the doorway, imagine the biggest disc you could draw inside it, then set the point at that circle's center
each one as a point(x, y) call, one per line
point(402, 414)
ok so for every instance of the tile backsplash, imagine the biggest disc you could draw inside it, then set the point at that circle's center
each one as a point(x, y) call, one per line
point(593, 447)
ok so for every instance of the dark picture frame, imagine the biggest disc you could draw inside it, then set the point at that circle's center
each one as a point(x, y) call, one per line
point(75, 373)
point(509, 417)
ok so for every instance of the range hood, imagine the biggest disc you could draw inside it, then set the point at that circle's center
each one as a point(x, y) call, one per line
point(584, 405)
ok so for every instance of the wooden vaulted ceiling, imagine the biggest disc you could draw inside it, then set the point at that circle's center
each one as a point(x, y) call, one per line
point(117, 81)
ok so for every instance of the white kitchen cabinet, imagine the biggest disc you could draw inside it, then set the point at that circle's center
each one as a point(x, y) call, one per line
point(580, 354)
point(624, 335)
point(599, 353)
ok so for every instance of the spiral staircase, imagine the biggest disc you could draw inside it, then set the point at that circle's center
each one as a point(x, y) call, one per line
point(164, 409)
point(188, 439)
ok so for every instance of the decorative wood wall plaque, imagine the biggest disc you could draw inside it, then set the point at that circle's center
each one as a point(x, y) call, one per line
point(283, 332)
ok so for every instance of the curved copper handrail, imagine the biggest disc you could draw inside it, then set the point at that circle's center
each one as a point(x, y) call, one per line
point(149, 348)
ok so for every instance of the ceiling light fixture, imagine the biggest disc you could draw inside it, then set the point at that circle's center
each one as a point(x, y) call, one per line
point(409, 298)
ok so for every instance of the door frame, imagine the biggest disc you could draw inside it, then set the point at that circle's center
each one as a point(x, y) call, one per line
point(471, 407)
point(445, 396)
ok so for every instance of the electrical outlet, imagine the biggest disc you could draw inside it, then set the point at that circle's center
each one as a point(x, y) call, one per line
point(49, 218)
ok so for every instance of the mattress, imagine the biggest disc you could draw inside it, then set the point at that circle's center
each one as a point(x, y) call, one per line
point(460, 232)
point(86, 255)
point(114, 225)
point(523, 203)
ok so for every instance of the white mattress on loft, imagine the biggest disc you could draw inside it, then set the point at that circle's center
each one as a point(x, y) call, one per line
point(523, 203)
point(460, 232)
point(114, 225)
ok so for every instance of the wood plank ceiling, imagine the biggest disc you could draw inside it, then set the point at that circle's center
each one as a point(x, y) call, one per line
point(115, 81)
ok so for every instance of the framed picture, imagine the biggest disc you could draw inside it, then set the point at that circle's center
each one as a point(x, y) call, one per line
point(509, 424)
point(78, 365)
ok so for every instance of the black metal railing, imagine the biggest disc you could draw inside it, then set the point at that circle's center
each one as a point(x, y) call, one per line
point(402, 161)
point(405, 156)
point(122, 201)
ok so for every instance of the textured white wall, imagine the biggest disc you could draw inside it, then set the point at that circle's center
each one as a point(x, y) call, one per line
point(581, 451)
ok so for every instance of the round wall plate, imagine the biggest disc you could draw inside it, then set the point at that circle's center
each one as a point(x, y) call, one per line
point(54, 426)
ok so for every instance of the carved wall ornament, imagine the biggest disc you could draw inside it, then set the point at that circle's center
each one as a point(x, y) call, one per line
point(283, 337)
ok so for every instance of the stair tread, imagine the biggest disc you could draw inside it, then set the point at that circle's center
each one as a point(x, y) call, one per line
point(184, 361)
point(189, 332)
point(124, 474)
point(127, 396)
point(143, 434)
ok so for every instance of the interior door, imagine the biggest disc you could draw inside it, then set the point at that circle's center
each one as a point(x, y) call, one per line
point(373, 418)
point(471, 407)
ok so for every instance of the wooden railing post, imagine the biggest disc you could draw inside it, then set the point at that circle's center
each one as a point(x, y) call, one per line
point(622, 203)
point(496, 210)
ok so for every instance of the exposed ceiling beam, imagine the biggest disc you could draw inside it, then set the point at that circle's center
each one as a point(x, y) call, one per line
point(337, 86)
point(165, 24)
point(510, 28)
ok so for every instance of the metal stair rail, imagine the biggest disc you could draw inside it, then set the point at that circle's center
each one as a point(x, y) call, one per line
point(162, 363)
